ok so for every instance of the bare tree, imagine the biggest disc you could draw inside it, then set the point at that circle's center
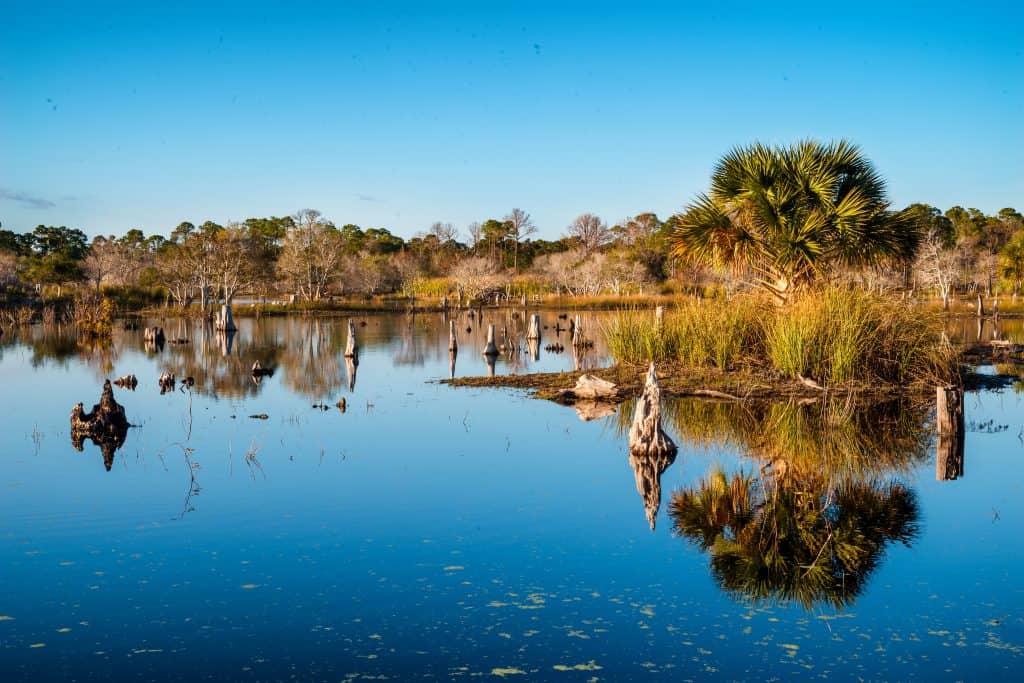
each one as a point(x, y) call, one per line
point(475, 232)
point(102, 260)
point(311, 254)
point(938, 266)
point(590, 231)
point(444, 232)
point(520, 226)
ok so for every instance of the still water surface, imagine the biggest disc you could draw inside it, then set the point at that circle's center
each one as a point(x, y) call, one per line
point(455, 533)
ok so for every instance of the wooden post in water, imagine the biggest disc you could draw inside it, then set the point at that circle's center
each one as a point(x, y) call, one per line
point(490, 349)
point(534, 331)
point(351, 348)
point(453, 342)
point(577, 332)
point(659, 318)
point(981, 306)
point(949, 422)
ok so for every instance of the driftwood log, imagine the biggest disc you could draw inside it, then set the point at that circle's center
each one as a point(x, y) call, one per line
point(106, 425)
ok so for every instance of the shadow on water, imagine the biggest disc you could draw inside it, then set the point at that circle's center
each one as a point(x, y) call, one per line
point(809, 515)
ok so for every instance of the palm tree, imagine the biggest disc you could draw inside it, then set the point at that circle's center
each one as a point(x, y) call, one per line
point(787, 214)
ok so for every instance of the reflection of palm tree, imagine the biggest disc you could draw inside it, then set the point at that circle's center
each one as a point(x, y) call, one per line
point(799, 539)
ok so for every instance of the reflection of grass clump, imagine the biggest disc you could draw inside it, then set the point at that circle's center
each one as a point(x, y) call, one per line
point(833, 336)
point(794, 539)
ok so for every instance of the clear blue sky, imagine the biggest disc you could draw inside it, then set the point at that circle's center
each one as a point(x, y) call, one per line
point(120, 115)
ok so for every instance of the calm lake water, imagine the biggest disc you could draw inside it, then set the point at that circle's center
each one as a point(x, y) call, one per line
point(431, 532)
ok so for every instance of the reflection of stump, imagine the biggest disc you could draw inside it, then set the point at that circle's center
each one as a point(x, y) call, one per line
point(648, 471)
point(106, 425)
point(949, 422)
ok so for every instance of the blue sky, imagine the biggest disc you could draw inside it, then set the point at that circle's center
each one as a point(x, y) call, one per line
point(120, 115)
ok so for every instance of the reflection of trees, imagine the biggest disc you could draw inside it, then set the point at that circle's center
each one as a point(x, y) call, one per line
point(814, 524)
point(312, 356)
point(794, 538)
point(833, 436)
point(206, 359)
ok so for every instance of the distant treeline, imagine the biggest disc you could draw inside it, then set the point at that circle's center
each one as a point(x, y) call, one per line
point(309, 257)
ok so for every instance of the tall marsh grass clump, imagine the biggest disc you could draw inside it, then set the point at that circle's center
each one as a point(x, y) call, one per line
point(839, 335)
point(831, 335)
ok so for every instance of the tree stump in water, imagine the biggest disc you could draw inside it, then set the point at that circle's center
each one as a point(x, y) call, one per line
point(453, 342)
point(106, 425)
point(351, 348)
point(166, 382)
point(127, 382)
point(224, 321)
point(646, 437)
point(651, 451)
point(490, 349)
point(949, 422)
point(534, 331)
point(659, 318)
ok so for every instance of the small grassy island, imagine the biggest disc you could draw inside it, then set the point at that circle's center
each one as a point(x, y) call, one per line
point(782, 222)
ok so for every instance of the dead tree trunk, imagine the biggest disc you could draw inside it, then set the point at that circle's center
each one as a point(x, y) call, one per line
point(659, 318)
point(351, 348)
point(646, 437)
point(490, 349)
point(224, 321)
point(949, 422)
point(577, 332)
point(106, 425)
point(534, 331)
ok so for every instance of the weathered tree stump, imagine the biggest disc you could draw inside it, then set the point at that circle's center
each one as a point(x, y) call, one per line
point(453, 341)
point(949, 423)
point(127, 382)
point(659, 318)
point(224, 320)
point(577, 333)
point(452, 355)
point(351, 348)
point(153, 339)
point(166, 382)
point(534, 330)
point(981, 306)
point(490, 348)
point(651, 451)
point(646, 437)
point(106, 425)
point(342, 405)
